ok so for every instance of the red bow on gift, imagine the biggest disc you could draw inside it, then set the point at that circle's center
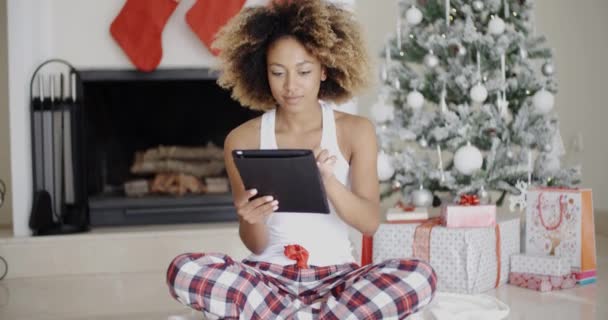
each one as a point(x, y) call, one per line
point(469, 200)
point(298, 253)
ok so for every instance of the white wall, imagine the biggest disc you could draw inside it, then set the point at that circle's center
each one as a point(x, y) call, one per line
point(94, 47)
point(26, 47)
point(578, 31)
point(5, 170)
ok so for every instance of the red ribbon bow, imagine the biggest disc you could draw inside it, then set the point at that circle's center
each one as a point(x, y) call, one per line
point(469, 200)
point(298, 253)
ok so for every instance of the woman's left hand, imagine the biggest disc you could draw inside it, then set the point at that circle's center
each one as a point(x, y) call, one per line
point(326, 163)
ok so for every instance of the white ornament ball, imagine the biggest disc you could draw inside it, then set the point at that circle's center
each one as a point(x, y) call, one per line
point(468, 159)
point(396, 185)
point(423, 143)
point(479, 93)
point(422, 198)
point(462, 50)
point(413, 16)
point(496, 26)
point(382, 111)
point(478, 5)
point(543, 101)
point(385, 168)
point(415, 100)
point(431, 60)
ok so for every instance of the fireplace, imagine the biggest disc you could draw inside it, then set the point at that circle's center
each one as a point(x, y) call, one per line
point(127, 113)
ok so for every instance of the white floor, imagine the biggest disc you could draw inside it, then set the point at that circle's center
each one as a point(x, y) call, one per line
point(143, 295)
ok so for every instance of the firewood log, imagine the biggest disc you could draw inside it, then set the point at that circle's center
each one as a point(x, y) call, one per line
point(177, 184)
point(209, 152)
point(198, 169)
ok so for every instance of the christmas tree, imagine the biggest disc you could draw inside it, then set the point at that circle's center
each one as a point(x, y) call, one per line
point(466, 104)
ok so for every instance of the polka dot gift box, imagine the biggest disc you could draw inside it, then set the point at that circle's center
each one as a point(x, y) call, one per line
point(541, 273)
point(466, 260)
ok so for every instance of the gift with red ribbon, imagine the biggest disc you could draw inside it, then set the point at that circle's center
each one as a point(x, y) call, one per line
point(405, 207)
point(402, 212)
point(461, 265)
point(298, 253)
point(468, 213)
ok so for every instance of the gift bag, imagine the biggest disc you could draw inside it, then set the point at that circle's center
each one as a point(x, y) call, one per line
point(559, 222)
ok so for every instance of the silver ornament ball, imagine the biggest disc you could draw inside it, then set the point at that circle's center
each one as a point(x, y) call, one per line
point(478, 5)
point(422, 198)
point(484, 196)
point(510, 154)
point(547, 148)
point(548, 69)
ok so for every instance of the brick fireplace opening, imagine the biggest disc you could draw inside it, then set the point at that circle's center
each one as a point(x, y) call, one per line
point(153, 146)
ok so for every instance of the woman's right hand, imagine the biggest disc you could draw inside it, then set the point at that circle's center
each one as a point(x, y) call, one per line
point(256, 210)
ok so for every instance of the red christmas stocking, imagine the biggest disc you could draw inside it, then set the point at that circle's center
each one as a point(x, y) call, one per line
point(206, 17)
point(138, 29)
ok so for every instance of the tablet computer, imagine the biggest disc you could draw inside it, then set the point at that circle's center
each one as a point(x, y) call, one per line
point(289, 175)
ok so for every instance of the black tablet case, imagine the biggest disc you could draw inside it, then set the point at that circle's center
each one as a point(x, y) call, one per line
point(289, 175)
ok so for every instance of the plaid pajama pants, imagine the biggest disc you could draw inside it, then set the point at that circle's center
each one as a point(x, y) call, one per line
point(226, 289)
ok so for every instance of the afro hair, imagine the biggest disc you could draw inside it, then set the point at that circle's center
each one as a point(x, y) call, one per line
point(328, 32)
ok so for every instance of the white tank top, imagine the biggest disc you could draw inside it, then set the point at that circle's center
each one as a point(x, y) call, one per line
point(325, 236)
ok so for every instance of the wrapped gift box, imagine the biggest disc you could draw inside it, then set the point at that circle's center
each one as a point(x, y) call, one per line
point(559, 222)
point(398, 214)
point(457, 216)
point(586, 277)
point(466, 260)
point(542, 283)
point(541, 265)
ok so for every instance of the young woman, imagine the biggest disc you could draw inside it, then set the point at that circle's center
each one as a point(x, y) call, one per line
point(291, 59)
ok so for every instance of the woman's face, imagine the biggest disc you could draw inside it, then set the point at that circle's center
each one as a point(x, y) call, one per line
point(294, 74)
